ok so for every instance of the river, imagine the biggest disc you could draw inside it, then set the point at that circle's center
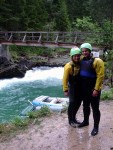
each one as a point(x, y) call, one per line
point(15, 92)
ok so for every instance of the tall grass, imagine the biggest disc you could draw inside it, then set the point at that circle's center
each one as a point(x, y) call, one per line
point(19, 123)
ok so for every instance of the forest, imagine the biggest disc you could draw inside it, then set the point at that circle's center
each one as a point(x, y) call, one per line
point(55, 15)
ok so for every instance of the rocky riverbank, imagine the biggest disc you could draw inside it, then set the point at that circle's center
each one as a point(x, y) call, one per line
point(12, 68)
point(18, 68)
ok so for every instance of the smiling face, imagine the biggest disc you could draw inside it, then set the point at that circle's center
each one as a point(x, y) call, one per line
point(85, 52)
point(76, 58)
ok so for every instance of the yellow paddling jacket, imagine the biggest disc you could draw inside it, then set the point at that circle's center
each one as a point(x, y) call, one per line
point(97, 67)
point(70, 69)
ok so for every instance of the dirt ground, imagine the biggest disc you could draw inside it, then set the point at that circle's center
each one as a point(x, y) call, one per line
point(54, 133)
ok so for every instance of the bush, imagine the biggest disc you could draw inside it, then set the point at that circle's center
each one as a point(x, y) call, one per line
point(107, 95)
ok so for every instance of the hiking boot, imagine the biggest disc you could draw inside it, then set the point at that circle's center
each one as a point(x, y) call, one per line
point(73, 124)
point(83, 124)
point(94, 132)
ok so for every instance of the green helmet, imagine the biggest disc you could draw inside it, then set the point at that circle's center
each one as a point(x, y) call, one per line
point(86, 45)
point(75, 51)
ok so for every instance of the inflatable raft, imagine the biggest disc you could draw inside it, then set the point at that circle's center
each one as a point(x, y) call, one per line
point(53, 103)
point(49, 101)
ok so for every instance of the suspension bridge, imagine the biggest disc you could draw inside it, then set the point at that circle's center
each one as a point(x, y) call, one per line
point(43, 39)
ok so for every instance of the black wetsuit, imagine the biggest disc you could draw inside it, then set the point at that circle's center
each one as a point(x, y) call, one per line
point(74, 96)
point(88, 80)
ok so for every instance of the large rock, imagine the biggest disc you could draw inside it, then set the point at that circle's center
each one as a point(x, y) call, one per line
point(18, 69)
point(9, 69)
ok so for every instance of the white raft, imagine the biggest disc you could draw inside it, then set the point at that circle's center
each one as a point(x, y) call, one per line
point(49, 101)
point(56, 104)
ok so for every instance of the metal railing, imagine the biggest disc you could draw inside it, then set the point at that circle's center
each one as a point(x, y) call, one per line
point(61, 39)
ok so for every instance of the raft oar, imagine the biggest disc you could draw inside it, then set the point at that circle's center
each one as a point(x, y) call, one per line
point(34, 107)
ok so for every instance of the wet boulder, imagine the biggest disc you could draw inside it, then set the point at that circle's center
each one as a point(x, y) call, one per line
point(9, 69)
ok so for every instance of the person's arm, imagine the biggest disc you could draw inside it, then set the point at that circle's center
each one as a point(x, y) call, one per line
point(99, 68)
point(66, 78)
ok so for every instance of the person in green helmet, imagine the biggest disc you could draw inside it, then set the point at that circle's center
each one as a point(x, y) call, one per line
point(92, 76)
point(71, 85)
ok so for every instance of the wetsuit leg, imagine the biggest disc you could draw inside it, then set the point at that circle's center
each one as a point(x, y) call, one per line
point(96, 112)
point(87, 87)
point(71, 115)
point(77, 106)
point(86, 109)
point(74, 104)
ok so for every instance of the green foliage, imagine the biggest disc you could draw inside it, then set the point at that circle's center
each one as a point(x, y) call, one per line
point(14, 51)
point(19, 122)
point(18, 51)
point(34, 15)
point(107, 95)
point(100, 10)
point(76, 9)
point(106, 38)
point(2, 128)
point(109, 67)
point(62, 18)
point(50, 15)
point(86, 24)
point(23, 15)
point(44, 111)
point(50, 26)
point(100, 35)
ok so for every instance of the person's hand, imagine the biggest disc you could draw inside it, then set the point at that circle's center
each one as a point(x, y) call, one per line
point(66, 93)
point(95, 93)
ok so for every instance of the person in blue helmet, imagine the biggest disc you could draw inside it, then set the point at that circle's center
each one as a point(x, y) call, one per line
point(92, 76)
point(71, 85)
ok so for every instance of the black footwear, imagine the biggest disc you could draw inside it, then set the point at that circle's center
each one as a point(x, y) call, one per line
point(77, 122)
point(83, 124)
point(94, 132)
point(73, 124)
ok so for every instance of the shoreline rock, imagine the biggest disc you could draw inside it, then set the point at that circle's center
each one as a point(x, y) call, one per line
point(10, 69)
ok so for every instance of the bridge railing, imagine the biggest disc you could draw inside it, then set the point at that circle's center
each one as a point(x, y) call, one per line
point(35, 37)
